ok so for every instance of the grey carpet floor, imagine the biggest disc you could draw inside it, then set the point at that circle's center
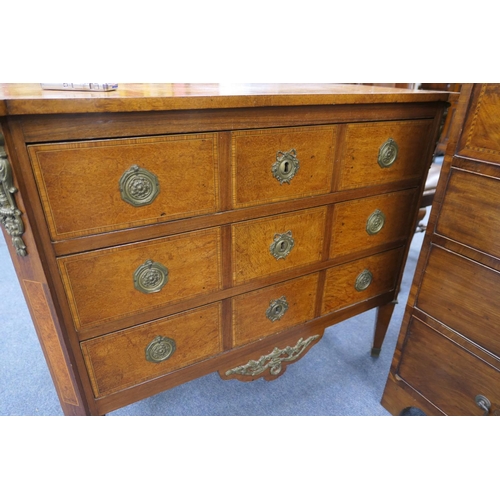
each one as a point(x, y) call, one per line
point(336, 377)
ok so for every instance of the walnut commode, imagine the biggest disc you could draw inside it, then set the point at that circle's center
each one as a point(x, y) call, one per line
point(163, 232)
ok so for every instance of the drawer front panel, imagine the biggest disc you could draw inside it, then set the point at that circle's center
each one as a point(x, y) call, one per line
point(102, 285)
point(273, 309)
point(350, 284)
point(446, 374)
point(81, 183)
point(369, 222)
point(255, 154)
point(472, 201)
point(301, 232)
point(363, 143)
point(119, 360)
point(468, 297)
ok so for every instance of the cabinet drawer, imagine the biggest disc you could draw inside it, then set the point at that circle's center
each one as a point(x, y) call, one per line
point(83, 184)
point(468, 297)
point(360, 280)
point(109, 284)
point(365, 143)
point(262, 172)
point(471, 211)
point(129, 357)
point(446, 374)
point(260, 247)
point(369, 222)
point(273, 309)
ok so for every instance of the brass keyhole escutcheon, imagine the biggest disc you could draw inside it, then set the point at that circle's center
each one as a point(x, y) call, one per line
point(286, 166)
point(282, 245)
point(375, 222)
point(277, 309)
point(388, 153)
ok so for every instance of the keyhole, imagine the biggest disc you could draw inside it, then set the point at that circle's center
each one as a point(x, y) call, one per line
point(286, 167)
point(283, 246)
point(277, 310)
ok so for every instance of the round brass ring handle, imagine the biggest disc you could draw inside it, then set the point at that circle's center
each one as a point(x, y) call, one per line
point(138, 186)
point(375, 222)
point(364, 280)
point(286, 166)
point(388, 153)
point(484, 403)
point(150, 277)
point(160, 349)
point(277, 308)
point(282, 245)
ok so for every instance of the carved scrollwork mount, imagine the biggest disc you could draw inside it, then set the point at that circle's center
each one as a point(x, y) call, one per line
point(274, 361)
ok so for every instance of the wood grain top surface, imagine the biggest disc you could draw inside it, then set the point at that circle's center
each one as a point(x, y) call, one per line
point(29, 98)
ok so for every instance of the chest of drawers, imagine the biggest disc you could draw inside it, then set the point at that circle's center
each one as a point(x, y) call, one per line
point(447, 361)
point(163, 232)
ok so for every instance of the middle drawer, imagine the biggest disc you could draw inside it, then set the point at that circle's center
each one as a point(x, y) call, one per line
point(373, 221)
point(271, 245)
point(119, 282)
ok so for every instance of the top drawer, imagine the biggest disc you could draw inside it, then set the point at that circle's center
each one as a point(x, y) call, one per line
point(378, 153)
point(94, 187)
point(281, 164)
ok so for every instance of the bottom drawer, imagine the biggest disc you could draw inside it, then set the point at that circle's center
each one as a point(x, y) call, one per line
point(129, 357)
point(273, 309)
point(447, 375)
point(360, 280)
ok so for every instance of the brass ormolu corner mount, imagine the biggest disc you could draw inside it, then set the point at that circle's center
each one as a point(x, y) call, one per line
point(10, 215)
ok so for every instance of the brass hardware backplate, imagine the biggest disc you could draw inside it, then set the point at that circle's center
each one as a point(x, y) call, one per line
point(277, 308)
point(150, 277)
point(388, 153)
point(138, 186)
point(282, 245)
point(286, 166)
point(484, 403)
point(364, 280)
point(160, 349)
point(10, 215)
point(375, 222)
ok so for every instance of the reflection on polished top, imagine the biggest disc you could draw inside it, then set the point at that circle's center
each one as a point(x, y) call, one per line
point(29, 98)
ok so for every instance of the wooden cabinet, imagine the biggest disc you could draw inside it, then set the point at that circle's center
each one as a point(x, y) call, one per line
point(447, 361)
point(159, 239)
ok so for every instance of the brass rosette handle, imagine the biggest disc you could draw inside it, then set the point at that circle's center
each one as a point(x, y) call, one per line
point(363, 280)
point(484, 403)
point(286, 166)
point(282, 245)
point(375, 222)
point(10, 215)
point(388, 153)
point(138, 186)
point(277, 309)
point(150, 277)
point(160, 349)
